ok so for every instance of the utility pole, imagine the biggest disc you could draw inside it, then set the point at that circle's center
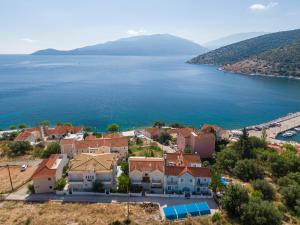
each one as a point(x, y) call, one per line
point(11, 185)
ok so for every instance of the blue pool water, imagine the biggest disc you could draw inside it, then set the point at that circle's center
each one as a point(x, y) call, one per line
point(135, 91)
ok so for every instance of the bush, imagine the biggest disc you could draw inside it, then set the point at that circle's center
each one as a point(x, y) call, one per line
point(165, 138)
point(291, 197)
point(22, 126)
point(19, 148)
point(216, 218)
point(258, 212)
point(227, 159)
point(9, 136)
point(30, 189)
point(124, 167)
point(248, 169)
point(60, 184)
point(265, 188)
point(123, 183)
point(233, 199)
point(113, 128)
point(52, 148)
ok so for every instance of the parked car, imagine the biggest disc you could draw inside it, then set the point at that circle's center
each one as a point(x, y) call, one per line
point(23, 167)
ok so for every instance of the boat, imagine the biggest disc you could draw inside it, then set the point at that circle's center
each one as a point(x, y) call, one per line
point(289, 133)
point(297, 129)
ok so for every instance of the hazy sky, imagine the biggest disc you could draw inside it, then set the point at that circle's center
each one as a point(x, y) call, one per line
point(29, 25)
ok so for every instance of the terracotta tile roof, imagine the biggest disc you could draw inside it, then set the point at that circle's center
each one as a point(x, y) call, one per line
point(181, 159)
point(67, 141)
point(23, 136)
point(44, 169)
point(194, 171)
point(185, 132)
point(146, 164)
point(62, 130)
point(93, 162)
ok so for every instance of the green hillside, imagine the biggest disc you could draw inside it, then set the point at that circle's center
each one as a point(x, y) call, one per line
point(247, 49)
point(280, 61)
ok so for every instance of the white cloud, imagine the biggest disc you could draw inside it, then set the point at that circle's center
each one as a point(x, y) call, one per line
point(136, 32)
point(262, 7)
point(28, 40)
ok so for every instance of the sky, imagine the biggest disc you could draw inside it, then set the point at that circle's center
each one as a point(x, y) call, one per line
point(30, 25)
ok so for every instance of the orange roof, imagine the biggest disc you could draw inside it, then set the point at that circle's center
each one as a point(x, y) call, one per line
point(23, 136)
point(44, 169)
point(181, 159)
point(62, 129)
point(98, 142)
point(146, 164)
point(180, 170)
point(210, 128)
point(185, 131)
point(111, 135)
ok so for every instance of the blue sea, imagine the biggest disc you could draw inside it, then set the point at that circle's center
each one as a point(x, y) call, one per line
point(135, 91)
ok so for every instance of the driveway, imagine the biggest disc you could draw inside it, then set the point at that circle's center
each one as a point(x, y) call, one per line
point(19, 163)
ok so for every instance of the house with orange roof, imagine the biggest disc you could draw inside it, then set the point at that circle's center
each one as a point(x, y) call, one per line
point(95, 145)
point(147, 172)
point(183, 173)
point(87, 169)
point(201, 143)
point(32, 135)
point(61, 131)
point(48, 172)
point(152, 132)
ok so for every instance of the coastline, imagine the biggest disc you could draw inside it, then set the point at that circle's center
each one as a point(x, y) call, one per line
point(220, 68)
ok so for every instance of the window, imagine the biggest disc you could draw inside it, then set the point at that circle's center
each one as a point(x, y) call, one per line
point(169, 188)
point(49, 178)
point(50, 187)
point(191, 180)
point(181, 180)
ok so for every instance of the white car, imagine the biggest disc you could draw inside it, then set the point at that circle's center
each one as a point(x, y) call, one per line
point(23, 167)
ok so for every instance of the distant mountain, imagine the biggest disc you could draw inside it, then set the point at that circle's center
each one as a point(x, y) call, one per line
point(146, 45)
point(280, 61)
point(274, 53)
point(231, 39)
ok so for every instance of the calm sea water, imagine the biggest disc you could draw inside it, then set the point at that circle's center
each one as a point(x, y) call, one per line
point(135, 91)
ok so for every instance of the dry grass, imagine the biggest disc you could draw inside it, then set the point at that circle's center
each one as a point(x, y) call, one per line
point(18, 177)
point(55, 213)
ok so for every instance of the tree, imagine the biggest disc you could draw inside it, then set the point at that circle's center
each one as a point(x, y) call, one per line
point(291, 197)
point(158, 124)
point(19, 148)
point(60, 184)
point(176, 125)
point(227, 159)
point(258, 212)
point(22, 126)
point(124, 167)
point(44, 123)
point(13, 127)
point(233, 199)
point(113, 127)
point(164, 138)
point(52, 148)
point(68, 124)
point(123, 183)
point(244, 145)
point(265, 188)
point(248, 169)
point(215, 183)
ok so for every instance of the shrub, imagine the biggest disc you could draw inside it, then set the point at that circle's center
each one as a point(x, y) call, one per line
point(124, 167)
point(19, 148)
point(233, 199)
point(113, 127)
point(60, 184)
point(216, 218)
point(248, 169)
point(30, 189)
point(265, 188)
point(52, 148)
point(123, 183)
point(258, 212)
point(22, 126)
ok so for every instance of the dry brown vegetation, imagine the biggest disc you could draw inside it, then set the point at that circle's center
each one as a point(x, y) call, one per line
point(55, 213)
point(18, 177)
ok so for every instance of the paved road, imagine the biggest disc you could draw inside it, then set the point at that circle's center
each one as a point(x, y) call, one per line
point(19, 195)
